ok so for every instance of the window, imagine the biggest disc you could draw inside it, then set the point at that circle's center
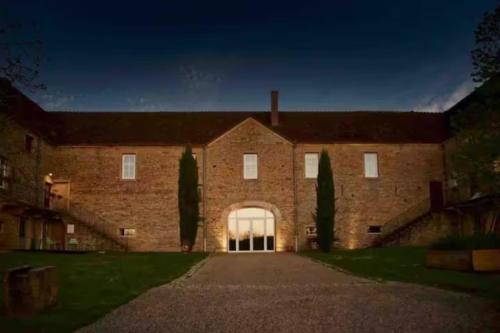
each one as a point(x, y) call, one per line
point(371, 165)
point(374, 229)
point(70, 229)
point(22, 227)
point(250, 166)
point(127, 232)
point(28, 143)
point(311, 165)
point(128, 166)
point(4, 174)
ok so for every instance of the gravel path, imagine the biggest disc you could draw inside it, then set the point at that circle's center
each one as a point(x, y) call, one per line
point(289, 293)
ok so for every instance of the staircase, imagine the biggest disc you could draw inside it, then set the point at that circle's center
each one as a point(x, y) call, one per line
point(392, 229)
point(97, 233)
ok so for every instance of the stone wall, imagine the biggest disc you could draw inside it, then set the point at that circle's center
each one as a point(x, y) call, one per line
point(9, 233)
point(27, 168)
point(430, 229)
point(147, 204)
point(26, 180)
point(405, 171)
point(226, 187)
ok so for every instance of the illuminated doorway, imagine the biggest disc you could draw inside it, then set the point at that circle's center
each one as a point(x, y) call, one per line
point(251, 230)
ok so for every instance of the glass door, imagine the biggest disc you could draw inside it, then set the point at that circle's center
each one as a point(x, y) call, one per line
point(251, 229)
point(258, 234)
point(244, 235)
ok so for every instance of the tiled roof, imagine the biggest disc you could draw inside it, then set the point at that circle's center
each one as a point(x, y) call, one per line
point(174, 128)
point(197, 128)
point(15, 105)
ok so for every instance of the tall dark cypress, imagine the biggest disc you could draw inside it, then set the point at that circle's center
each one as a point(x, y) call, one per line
point(188, 199)
point(325, 203)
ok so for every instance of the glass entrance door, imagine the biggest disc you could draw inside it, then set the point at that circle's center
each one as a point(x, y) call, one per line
point(251, 230)
point(258, 234)
point(244, 235)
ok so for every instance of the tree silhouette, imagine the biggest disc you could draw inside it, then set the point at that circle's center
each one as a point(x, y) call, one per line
point(188, 199)
point(486, 55)
point(325, 203)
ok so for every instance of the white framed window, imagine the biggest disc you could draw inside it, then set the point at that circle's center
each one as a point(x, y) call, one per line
point(70, 229)
point(128, 166)
point(371, 165)
point(127, 232)
point(311, 161)
point(250, 166)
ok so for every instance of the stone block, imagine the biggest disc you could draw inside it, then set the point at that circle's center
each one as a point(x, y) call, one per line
point(28, 291)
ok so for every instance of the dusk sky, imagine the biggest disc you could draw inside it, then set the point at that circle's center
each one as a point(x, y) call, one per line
point(228, 55)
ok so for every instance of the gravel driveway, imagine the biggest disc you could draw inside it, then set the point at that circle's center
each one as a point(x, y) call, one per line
point(289, 293)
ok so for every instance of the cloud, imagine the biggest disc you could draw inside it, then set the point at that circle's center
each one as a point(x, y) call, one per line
point(146, 104)
point(195, 89)
point(197, 80)
point(57, 101)
point(444, 102)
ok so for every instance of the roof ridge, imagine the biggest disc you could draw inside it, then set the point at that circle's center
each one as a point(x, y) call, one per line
point(242, 112)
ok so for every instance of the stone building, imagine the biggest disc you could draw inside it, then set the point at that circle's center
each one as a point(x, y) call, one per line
point(111, 178)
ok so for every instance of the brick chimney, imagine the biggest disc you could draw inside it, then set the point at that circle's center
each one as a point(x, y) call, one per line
point(274, 108)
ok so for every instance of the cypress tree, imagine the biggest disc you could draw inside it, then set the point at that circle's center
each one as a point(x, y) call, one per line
point(325, 203)
point(188, 199)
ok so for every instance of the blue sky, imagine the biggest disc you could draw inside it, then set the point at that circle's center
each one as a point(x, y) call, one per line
point(227, 55)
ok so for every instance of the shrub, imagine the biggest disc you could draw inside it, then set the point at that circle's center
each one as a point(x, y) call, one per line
point(468, 243)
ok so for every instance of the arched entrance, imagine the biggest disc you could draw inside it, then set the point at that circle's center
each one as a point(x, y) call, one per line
point(251, 229)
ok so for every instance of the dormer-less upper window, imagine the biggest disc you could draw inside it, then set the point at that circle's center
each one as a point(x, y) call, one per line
point(28, 143)
point(250, 167)
point(311, 165)
point(128, 166)
point(371, 165)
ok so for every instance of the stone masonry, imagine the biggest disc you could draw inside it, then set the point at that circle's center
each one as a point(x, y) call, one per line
point(149, 203)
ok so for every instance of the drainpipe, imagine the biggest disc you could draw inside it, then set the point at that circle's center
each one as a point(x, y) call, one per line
point(205, 230)
point(295, 222)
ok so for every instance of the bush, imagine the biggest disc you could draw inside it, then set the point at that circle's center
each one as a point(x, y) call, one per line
point(468, 243)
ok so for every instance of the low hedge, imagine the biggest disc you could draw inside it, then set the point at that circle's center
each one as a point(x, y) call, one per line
point(468, 243)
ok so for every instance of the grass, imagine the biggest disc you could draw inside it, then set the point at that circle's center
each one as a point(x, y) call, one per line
point(407, 264)
point(92, 284)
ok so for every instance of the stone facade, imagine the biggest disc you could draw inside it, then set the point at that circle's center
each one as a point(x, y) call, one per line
point(88, 190)
point(405, 171)
point(25, 188)
point(26, 168)
point(148, 204)
point(226, 187)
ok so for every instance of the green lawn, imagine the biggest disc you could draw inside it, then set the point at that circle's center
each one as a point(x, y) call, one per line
point(407, 264)
point(92, 284)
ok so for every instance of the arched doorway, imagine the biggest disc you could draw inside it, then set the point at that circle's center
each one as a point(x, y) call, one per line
point(251, 229)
